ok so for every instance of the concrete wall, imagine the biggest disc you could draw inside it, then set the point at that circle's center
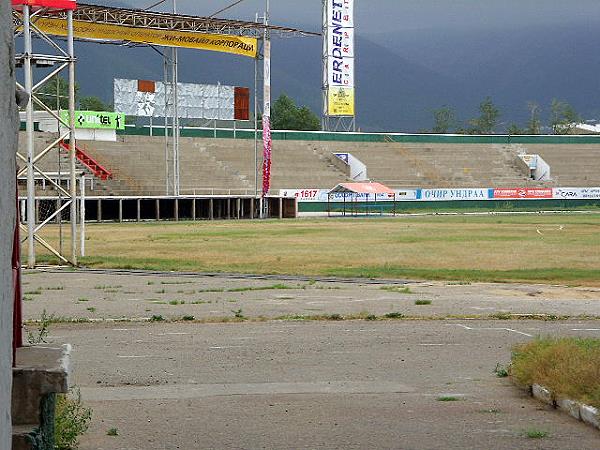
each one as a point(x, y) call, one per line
point(8, 145)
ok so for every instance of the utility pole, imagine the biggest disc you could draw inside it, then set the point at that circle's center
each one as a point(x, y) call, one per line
point(176, 158)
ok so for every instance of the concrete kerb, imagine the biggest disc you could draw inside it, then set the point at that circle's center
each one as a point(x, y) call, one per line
point(585, 413)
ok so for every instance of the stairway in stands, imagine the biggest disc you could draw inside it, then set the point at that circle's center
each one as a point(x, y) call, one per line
point(105, 184)
point(94, 167)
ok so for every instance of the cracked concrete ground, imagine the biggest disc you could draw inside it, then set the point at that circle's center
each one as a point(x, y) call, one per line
point(107, 295)
point(285, 384)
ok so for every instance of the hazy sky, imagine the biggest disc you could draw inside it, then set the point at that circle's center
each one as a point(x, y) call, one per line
point(376, 16)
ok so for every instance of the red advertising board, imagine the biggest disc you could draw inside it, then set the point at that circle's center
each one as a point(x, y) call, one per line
point(525, 193)
point(36, 4)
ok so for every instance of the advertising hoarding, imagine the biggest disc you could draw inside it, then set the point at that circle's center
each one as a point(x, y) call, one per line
point(341, 101)
point(453, 194)
point(322, 196)
point(96, 120)
point(144, 98)
point(237, 45)
point(523, 193)
point(340, 49)
point(590, 193)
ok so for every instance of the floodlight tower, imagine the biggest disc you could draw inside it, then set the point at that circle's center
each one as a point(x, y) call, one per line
point(25, 15)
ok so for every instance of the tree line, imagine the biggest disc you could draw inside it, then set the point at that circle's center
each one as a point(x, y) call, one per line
point(563, 118)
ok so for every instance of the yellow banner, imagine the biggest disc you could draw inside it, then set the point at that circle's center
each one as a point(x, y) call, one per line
point(341, 101)
point(237, 45)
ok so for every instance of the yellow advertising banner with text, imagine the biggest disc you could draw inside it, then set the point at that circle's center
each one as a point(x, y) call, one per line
point(341, 101)
point(236, 45)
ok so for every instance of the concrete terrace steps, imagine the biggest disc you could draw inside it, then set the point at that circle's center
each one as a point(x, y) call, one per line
point(138, 164)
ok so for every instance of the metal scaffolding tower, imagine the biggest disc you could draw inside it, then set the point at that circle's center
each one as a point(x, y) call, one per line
point(25, 15)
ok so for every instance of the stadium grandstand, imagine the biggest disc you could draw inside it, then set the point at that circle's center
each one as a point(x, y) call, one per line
point(223, 166)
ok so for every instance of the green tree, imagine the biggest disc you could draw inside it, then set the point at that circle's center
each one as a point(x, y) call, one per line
point(286, 115)
point(444, 119)
point(534, 126)
point(93, 103)
point(55, 93)
point(563, 117)
point(515, 129)
point(488, 119)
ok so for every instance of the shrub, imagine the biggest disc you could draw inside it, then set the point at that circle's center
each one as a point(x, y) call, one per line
point(72, 420)
point(569, 367)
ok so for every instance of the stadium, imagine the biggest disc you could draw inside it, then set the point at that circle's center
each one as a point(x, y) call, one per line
point(227, 284)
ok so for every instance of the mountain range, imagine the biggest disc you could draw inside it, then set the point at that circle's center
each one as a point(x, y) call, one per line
point(401, 76)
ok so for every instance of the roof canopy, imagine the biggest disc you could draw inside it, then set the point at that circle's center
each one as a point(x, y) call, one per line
point(362, 188)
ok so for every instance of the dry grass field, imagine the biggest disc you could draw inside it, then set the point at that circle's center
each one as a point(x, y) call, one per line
point(533, 248)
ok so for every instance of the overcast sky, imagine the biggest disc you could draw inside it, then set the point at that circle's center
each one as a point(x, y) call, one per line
point(377, 16)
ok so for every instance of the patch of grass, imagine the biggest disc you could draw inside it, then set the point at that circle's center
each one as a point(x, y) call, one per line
point(423, 302)
point(91, 309)
point(335, 317)
point(568, 367)
point(27, 298)
point(501, 371)
point(34, 292)
point(150, 283)
point(157, 318)
point(448, 398)
point(83, 299)
point(103, 287)
point(371, 317)
point(176, 282)
point(112, 432)
point(274, 287)
point(188, 318)
point(71, 420)
point(397, 289)
point(536, 434)
point(546, 275)
point(293, 318)
point(176, 302)
point(238, 314)
point(501, 316)
point(54, 288)
point(394, 315)
point(442, 248)
point(208, 291)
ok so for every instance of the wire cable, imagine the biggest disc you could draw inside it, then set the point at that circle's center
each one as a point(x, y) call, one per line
point(225, 9)
point(155, 5)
